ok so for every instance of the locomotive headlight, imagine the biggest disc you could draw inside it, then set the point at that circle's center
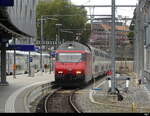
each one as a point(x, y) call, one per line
point(60, 72)
point(78, 72)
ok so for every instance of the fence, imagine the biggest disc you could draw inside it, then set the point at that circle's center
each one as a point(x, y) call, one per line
point(34, 95)
point(124, 66)
point(147, 75)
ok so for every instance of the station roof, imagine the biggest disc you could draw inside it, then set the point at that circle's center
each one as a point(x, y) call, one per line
point(7, 29)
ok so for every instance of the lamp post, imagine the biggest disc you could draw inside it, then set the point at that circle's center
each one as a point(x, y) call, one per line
point(58, 34)
point(42, 19)
point(113, 81)
point(14, 65)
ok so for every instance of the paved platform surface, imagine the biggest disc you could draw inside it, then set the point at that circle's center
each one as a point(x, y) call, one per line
point(9, 93)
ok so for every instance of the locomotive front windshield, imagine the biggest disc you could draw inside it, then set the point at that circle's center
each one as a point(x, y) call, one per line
point(69, 57)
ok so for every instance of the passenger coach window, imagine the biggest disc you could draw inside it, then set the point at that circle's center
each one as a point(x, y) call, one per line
point(69, 57)
point(83, 57)
point(57, 57)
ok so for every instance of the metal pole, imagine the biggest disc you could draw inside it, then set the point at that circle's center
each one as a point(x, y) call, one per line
point(59, 39)
point(29, 65)
point(138, 40)
point(113, 89)
point(42, 37)
point(135, 45)
point(56, 43)
point(41, 44)
point(29, 62)
point(92, 17)
point(14, 66)
point(50, 62)
point(58, 34)
point(3, 64)
point(141, 48)
point(8, 62)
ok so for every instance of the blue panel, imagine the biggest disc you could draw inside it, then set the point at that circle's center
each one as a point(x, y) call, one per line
point(97, 89)
point(22, 47)
point(53, 53)
point(37, 49)
point(30, 59)
point(6, 2)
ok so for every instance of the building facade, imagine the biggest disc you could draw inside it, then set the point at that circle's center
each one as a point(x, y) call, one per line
point(101, 38)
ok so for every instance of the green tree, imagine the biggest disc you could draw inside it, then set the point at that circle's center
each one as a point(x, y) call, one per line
point(131, 28)
point(131, 36)
point(86, 33)
point(61, 7)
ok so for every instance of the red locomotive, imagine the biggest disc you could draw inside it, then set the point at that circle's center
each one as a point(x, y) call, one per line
point(76, 64)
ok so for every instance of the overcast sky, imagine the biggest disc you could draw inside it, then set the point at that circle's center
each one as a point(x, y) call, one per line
point(124, 11)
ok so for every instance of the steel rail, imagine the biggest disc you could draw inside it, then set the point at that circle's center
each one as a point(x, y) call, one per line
point(46, 100)
point(71, 102)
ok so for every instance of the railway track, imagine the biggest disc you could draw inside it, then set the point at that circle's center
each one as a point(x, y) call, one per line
point(60, 101)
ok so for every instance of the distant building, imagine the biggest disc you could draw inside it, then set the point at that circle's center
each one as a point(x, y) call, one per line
point(101, 37)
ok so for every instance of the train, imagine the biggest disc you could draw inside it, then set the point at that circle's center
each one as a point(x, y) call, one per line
point(77, 64)
point(22, 59)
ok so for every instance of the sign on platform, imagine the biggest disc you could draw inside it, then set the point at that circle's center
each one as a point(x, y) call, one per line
point(22, 47)
point(53, 53)
point(30, 59)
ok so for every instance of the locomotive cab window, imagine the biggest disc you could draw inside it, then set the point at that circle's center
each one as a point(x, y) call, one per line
point(69, 57)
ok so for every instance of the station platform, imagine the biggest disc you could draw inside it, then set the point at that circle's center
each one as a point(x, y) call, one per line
point(135, 100)
point(11, 96)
